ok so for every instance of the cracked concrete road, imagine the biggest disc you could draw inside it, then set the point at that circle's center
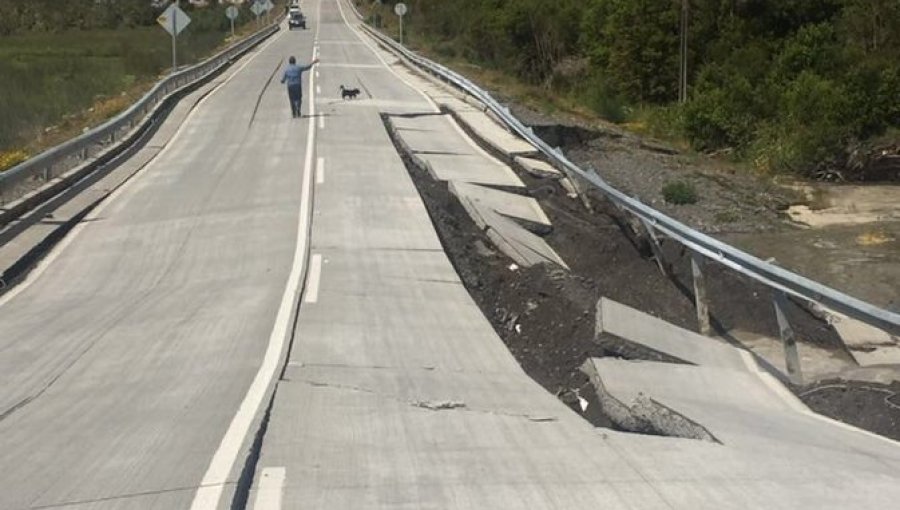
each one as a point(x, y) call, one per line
point(125, 356)
point(127, 359)
point(398, 393)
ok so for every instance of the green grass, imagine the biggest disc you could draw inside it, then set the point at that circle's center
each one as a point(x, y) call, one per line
point(47, 77)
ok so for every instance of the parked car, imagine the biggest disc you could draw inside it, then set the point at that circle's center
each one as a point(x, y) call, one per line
point(296, 20)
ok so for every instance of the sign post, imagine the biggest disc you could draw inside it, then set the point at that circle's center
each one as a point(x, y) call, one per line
point(232, 13)
point(268, 6)
point(400, 10)
point(174, 20)
point(257, 9)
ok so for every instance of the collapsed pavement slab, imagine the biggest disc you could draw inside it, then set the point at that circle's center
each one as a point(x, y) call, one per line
point(643, 336)
point(868, 345)
point(523, 247)
point(537, 168)
point(492, 210)
point(475, 169)
point(739, 409)
point(437, 146)
point(508, 204)
point(495, 135)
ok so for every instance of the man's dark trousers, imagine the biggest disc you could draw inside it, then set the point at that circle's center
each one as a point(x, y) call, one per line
point(295, 95)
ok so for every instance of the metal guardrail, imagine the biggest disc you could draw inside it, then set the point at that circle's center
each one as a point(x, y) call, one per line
point(60, 159)
point(782, 281)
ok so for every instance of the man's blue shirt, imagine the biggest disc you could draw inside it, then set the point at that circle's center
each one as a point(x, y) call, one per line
point(293, 75)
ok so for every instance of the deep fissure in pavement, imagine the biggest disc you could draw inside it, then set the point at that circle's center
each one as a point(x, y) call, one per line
point(545, 314)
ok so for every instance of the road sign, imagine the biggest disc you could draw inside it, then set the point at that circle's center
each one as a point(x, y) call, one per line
point(400, 10)
point(257, 8)
point(268, 5)
point(173, 19)
point(232, 13)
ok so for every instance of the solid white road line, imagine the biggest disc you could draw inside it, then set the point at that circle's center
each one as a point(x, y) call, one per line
point(209, 493)
point(271, 489)
point(312, 284)
point(320, 171)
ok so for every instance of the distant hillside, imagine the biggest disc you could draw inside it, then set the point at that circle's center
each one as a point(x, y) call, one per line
point(787, 84)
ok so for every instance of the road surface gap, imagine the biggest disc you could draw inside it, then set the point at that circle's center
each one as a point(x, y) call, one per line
point(545, 314)
point(428, 404)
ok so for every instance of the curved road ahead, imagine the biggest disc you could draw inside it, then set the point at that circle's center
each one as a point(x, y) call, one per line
point(264, 317)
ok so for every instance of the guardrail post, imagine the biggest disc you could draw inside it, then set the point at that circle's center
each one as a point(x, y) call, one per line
point(655, 246)
point(791, 356)
point(700, 299)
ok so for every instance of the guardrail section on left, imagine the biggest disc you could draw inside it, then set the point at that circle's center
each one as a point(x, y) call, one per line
point(35, 180)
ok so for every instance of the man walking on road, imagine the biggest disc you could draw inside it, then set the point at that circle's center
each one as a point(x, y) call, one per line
point(293, 76)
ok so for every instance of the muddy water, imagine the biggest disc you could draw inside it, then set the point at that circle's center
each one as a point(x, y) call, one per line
point(846, 237)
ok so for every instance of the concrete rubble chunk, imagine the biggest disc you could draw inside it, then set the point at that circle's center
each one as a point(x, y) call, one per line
point(642, 414)
point(439, 405)
point(538, 168)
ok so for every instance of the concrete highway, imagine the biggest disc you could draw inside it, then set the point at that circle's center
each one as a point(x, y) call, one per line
point(126, 357)
point(264, 317)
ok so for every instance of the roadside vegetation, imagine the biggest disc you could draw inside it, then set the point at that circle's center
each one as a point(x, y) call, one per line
point(68, 65)
point(796, 86)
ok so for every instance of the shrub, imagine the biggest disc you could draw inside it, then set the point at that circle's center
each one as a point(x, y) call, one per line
point(679, 193)
point(722, 116)
point(603, 101)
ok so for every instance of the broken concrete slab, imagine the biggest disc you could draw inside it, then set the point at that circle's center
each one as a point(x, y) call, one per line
point(525, 248)
point(439, 146)
point(740, 409)
point(508, 204)
point(470, 168)
point(816, 362)
point(494, 135)
point(642, 414)
point(537, 168)
point(868, 345)
point(647, 337)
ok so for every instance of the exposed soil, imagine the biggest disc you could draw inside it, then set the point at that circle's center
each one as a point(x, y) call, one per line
point(729, 198)
point(545, 314)
point(871, 406)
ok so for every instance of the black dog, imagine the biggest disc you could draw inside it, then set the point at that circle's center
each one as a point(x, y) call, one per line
point(348, 93)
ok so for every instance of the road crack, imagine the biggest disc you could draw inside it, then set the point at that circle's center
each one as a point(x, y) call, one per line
point(431, 405)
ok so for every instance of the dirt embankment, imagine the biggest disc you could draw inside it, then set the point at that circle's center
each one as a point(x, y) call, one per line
point(545, 315)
